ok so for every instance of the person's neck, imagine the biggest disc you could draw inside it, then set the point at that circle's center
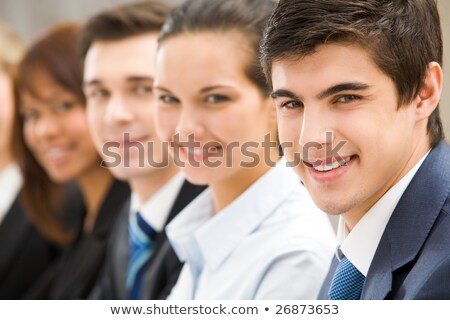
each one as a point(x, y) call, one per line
point(353, 216)
point(94, 185)
point(226, 191)
point(146, 186)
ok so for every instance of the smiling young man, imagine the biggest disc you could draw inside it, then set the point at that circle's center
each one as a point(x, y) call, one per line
point(119, 47)
point(366, 76)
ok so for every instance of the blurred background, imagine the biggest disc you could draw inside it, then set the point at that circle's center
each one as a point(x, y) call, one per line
point(30, 17)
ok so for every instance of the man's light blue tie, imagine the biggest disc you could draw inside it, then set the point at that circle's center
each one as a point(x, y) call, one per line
point(141, 237)
point(347, 282)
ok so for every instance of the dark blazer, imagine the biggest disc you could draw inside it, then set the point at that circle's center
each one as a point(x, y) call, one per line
point(24, 253)
point(75, 274)
point(412, 260)
point(163, 267)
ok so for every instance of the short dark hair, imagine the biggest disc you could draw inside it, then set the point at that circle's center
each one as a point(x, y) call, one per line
point(402, 37)
point(249, 17)
point(123, 22)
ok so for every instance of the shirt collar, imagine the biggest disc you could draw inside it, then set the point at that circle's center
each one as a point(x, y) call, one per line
point(200, 236)
point(360, 245)
point(156, 210)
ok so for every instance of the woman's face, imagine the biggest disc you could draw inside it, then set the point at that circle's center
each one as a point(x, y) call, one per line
point(55, 129)
point(208, 109)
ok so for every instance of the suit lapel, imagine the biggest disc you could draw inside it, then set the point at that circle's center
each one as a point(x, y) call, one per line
point(187, 193)
point(410, 223)
point(378, 282)
point(323, 294)
point(121, 254)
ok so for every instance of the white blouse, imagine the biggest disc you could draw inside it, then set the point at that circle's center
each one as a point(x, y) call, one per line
point(272, 242)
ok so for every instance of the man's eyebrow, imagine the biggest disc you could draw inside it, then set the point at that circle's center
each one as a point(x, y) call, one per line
point(139, 79)
point(283, 93)
point(353, 86)
point(97, 82)
point(90, 83)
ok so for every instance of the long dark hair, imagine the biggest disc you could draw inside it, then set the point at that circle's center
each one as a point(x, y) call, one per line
point(56, 54)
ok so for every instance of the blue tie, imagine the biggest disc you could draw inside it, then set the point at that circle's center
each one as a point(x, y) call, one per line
point(347, 282)
point(141, 238)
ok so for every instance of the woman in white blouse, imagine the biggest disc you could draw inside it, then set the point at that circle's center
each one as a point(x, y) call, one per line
point(254, 233)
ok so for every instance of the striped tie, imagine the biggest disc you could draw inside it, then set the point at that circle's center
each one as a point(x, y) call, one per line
point(141, 237)
point(347, 283)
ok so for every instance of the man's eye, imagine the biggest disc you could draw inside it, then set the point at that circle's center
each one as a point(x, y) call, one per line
point(97, 94)
point(348, 98)
point(291, 104)
point(143, 89)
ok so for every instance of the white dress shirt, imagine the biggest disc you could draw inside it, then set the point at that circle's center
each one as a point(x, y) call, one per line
point(271, 242)
point(156, 210)
point(360, 245)
point(10, 184)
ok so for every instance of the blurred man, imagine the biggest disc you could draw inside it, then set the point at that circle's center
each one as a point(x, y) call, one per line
point(119, 47)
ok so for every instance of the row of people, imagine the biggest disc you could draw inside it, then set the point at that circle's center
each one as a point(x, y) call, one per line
point(154, 90)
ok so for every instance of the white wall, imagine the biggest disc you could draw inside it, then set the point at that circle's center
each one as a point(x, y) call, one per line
point(30, 17)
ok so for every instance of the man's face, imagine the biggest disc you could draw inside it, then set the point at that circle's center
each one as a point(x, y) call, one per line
point(340, 91)
point(118, 80)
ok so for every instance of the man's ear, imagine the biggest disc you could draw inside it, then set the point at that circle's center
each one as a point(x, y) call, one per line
point(430, 92)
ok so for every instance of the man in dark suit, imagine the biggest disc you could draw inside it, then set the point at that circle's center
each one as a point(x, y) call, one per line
point(119, 47)
point(357, 86)
point(162, 270)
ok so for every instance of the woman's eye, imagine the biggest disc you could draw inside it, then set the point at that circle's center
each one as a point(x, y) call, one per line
point(216, 98)
point(64, 105)
point(168, 99)
point(30, 115)
point(348, 98)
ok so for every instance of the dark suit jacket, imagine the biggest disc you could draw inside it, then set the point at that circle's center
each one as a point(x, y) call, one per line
point(163, 267)
point(75, 274)
point(412, 260)
point(24, 253)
